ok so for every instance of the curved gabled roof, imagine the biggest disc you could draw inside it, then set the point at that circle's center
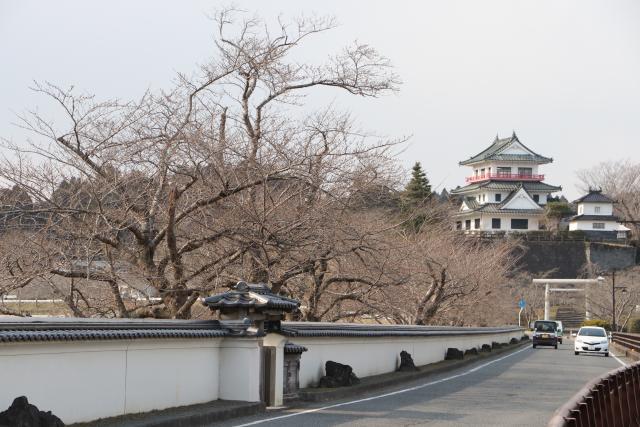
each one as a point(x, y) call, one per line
point(595, 196)
point(507, 186)
point(501, 207)
point(594, 218)
point(496, 152)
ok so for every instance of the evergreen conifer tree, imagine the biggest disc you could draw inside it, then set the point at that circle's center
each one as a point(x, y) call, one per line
point(414, 198)
point(418, 190)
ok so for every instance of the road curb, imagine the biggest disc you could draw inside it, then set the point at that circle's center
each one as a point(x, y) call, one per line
point(394, 378)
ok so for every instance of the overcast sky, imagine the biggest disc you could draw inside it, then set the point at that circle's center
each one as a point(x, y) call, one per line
point(565, 75)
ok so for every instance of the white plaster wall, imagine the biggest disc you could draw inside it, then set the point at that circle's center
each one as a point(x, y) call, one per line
point(588, 225)
point(534, 223)
point(543, 198)
point(491, 197)
point(240, 369)
point(521, 200)
point(590, 208)
point(505, 222)
point(372, 356)
point(164, 374)
point(77, 382)
point(83, 381)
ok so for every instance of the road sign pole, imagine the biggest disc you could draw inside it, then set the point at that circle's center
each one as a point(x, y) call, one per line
point(519, 313)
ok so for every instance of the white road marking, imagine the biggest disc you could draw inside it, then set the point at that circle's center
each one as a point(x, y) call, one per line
point(619, 360)
point(380, 396)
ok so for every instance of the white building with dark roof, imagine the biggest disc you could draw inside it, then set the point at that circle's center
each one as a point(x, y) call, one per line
point(505, 191)
point(595, 216)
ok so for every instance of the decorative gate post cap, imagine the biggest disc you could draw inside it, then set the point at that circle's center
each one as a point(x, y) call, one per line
point(256, 297)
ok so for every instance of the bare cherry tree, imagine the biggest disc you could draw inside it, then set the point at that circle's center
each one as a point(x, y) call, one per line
point(174, 195)
point(449, 275)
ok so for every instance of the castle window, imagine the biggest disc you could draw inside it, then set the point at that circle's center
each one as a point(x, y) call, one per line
point(536, 198)
point(495, 223)
point(598, 225)
point(476, 223)
point(519, 224)
point(597, 209)
point(503, 171)
point(525, 171)
point(458, 225)
point(498, 197)
point(467, 224)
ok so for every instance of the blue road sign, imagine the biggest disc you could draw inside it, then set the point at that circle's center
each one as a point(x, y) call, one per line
point(522, 303)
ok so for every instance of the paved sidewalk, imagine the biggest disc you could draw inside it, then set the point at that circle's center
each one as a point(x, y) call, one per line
point(186, 416)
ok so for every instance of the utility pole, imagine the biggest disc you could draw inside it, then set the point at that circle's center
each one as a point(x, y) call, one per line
point(613, 299)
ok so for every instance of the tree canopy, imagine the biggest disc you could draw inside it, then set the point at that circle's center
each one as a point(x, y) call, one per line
point(418, 190)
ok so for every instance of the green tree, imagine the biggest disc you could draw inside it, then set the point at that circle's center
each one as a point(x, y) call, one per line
point(554, 211)
point(414, 198)
point(418, 190)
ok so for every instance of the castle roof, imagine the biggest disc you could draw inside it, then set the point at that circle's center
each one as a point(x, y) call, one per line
point(498, 151)
point(594, 218)
point(502, 207)
point(594, 196)
point(507, 186)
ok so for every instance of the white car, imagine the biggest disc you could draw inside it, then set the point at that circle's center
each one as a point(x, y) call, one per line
point(592, 339)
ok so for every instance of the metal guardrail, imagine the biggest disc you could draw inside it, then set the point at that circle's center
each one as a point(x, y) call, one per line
point(612, 400)
point(629, 341)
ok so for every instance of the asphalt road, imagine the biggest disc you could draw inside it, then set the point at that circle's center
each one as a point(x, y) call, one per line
point(522, 388)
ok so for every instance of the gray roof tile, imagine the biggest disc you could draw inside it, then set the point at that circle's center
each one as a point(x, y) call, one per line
point(594, 218)
point(507, 186)
point(498, 207)
point(320, 329)
point(72, 329)
point(251, 295)
point(291, 348)
point(595, 196)
point(493, 152)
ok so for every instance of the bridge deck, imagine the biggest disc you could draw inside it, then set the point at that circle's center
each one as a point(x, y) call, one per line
point(523, 388)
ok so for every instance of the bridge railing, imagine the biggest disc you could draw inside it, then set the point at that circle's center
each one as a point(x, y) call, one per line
point(611, 400)
point(629, 341)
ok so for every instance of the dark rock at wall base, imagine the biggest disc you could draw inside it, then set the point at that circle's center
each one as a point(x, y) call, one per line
point(23, 414)
point(454, 354)
point(495, 345)
point(406, 362)
point(486, 347)
point(472, 351)
point(337, 375)
point(514, 341)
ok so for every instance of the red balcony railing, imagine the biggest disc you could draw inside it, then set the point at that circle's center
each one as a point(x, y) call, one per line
point(505, 177)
